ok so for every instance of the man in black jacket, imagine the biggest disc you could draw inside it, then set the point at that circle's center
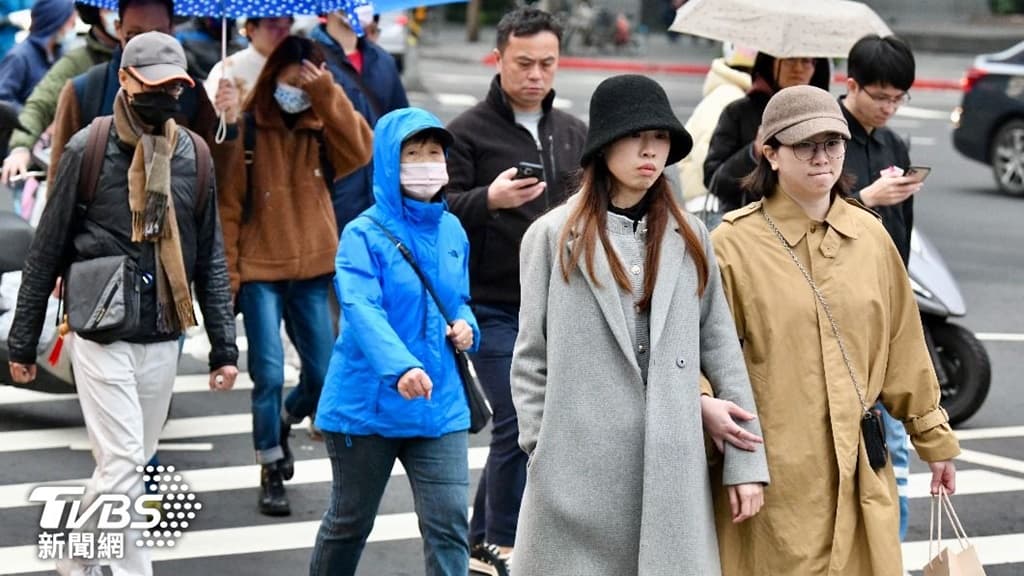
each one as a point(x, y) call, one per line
point(516, 123)
point(147, 206)
point(881, 71)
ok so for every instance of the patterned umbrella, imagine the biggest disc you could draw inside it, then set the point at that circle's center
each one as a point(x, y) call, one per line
point(794, 28)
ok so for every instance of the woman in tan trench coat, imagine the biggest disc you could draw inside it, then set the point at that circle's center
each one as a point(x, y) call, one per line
point(827, 511)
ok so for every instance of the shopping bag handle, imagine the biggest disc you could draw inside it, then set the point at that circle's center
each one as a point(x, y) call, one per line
point(940, 503)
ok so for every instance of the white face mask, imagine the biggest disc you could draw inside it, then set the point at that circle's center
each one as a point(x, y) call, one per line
point(108, 18)
point(423, 180)
point(291, 99)
point(68, 40)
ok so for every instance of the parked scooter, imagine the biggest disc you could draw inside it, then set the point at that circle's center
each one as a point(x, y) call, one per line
point(961, 362)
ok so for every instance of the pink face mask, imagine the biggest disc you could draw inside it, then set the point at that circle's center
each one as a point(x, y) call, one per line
point(422, 180)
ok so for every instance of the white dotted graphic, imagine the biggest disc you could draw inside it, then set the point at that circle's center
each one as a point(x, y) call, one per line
point(177, 503)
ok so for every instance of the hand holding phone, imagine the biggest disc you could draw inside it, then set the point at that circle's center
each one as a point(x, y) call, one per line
point(918, 173)
point(529, 170)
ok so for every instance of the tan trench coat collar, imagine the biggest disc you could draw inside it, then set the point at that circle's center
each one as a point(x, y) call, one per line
point(793, 222)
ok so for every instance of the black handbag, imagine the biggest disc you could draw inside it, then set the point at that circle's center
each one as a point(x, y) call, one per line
point(479, 408)
point(102, 298)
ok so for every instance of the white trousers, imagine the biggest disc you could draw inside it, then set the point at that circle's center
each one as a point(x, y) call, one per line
point(125, 392)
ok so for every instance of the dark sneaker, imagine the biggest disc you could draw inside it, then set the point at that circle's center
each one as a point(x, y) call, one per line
point(487, 559)
point(287, 464)
point(273, 499)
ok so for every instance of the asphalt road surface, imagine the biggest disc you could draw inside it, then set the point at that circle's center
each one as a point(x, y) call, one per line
point(976, 229)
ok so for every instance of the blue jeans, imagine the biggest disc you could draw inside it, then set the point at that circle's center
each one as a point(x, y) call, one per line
point(899, 451)
point(438, 472)
point(496, 506)
point(303, 306)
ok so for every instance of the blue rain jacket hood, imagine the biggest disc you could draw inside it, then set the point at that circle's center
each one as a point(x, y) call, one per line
point(390, 324)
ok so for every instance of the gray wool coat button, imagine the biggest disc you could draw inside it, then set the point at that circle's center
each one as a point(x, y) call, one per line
point(681, 362)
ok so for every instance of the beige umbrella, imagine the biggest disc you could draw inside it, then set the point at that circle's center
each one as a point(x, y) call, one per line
point(782, 28)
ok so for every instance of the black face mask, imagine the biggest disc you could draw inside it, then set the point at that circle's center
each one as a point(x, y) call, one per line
point(154, 108)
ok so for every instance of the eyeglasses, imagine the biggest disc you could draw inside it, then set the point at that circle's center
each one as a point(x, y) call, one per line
point(882, 99)
point(835, 148)
point(175, 89)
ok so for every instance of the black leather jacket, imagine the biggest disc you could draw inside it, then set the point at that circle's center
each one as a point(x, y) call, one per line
point(69, 232)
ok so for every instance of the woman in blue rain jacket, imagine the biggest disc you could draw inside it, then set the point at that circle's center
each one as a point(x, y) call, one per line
point(393, 389)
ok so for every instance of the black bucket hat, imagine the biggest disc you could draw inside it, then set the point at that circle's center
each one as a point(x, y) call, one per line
point(623, 105)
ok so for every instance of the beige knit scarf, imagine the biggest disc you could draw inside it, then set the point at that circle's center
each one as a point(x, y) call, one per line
point(152, 207)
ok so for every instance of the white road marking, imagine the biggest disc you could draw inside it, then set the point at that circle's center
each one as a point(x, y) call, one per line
point(208, 480)
point(182, 384)
point(992, 461)
point(561, 103)
point(176, 429)
point(161, 447)
point(967, 482)
point(921, 141)
point(991, 433)
point(993, 550)
point(1000, 337)
point(922, 113)
point(456, 100)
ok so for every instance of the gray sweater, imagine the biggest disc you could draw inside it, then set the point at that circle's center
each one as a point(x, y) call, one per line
point(631, 249)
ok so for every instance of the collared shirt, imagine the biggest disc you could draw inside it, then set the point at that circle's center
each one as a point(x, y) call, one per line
point(866, 156)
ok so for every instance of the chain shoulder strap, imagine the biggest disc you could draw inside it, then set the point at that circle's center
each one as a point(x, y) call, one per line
point(824, 305)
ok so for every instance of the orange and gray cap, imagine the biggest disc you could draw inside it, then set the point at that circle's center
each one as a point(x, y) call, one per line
point(156, 58)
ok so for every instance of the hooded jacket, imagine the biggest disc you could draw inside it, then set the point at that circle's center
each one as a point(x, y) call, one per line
point(391, 324)
point(730, 155)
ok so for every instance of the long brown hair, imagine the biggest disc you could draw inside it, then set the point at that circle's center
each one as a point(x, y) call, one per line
point(291, 50)
point(588, 222)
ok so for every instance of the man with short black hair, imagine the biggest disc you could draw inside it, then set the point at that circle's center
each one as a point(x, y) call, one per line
point(516, 123)
point(152, 203)
point(880, 73)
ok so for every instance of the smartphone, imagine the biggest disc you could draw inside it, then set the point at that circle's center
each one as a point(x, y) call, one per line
point(529, 170)
point(918, 173)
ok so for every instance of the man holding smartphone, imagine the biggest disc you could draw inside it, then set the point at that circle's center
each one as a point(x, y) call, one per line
point(880, 72)
point(514, 132)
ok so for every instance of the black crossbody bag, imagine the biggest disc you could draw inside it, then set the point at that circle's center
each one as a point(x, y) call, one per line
point(479, 408)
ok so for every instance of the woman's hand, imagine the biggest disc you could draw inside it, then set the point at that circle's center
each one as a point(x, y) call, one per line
point(745, 500)
point(943, 474)
point(228, 100)
point(719, 423)
point(461, 335)
point(415, 384)
point(310, 73)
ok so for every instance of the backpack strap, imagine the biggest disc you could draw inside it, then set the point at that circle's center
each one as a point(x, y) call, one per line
point(249, 141)
point(202, 151)
point(94, 154)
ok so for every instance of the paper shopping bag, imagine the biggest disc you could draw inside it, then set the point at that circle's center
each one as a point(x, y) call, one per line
point(949, 562)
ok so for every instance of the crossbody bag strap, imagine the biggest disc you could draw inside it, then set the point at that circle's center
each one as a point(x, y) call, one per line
point(824, 305)
point(407, 254)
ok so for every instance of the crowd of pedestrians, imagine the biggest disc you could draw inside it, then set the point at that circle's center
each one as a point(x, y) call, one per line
point(666, 399)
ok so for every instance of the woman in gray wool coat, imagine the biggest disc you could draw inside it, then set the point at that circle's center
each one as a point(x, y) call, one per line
point(622, 311)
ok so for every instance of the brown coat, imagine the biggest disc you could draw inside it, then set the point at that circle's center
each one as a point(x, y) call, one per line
point(292, 234)
point(826, 511)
